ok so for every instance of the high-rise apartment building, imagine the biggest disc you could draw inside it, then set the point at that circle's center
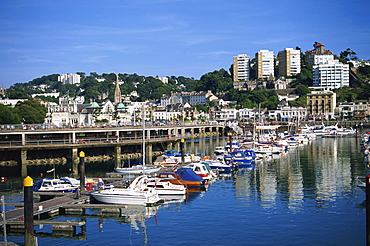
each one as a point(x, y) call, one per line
point(265, 64)
point(331, 75)
point(328, 73)
point(69, 78)
point(241, 68)
point(289, 62)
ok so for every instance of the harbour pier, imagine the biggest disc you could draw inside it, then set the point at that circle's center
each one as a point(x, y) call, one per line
point(22, 148)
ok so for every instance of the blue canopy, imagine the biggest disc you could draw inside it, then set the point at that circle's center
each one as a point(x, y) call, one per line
point(188, 174)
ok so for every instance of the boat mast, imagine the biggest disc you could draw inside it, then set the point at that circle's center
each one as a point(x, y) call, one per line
point(143, 121)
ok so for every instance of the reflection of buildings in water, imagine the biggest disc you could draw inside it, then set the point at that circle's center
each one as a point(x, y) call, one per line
point(295, 181)
point(245, 185)
point(331, 173)
point(281, 178)
point(268, 188)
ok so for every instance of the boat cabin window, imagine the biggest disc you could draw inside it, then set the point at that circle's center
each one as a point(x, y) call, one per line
point(46, 184)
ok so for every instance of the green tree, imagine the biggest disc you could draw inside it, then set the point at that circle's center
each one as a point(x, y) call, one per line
point(216, 81)
point(31, 111)
point(299, 102)
point(17, 93)
point(302, 90)
point(348, 54)
point(8, 115)
point(202, 108)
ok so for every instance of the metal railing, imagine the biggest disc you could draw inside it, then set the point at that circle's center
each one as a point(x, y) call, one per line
point(81, 141)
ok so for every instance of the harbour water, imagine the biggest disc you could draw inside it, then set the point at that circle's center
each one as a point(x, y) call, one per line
point(307, 196)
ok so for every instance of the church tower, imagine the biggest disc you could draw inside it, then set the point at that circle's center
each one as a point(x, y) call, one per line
point(117, 93)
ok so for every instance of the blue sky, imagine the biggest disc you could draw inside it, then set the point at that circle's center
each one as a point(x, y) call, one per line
point(167, 37)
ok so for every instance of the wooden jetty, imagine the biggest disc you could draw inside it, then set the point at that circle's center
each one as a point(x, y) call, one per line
point(46, 206)
point(15, 218)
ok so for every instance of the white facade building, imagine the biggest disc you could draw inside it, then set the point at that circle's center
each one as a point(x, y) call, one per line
point(289, 62)
point(328, 73)
point(226, 114)
point(265, 64)
point(241, 68)
point(246, 114)
point(331, 75)
point(70, 78)
point(321, 59)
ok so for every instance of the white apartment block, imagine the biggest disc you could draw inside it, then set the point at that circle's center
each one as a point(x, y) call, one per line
point(226, 114)
point(69, 78)
point(166, 115)
point(328, 73)
point(331, 75)
point(265, 64)
point(241, 68)
point(246, 114)
point(321, 59)
point(289, 62)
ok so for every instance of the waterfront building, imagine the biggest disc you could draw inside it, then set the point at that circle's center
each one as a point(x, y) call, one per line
point(69, 78)
point(241, 64)
point(289, 62)
point(193, 98)
point(358, 109)
point(246, 114)
point(226, 114)
point(265, 64)
point(285, 112)
point(321, 104)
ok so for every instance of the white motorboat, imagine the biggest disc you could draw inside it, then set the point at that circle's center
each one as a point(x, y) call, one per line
point(126, 196)
point(135, 194)
point(203, 170)
point(219, 165)
point(63, 185)
point(138, 169)
point(220, 150)
point(162, 187)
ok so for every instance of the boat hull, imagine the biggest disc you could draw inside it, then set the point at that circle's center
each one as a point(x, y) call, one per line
point(137, 170)
point(126, 197)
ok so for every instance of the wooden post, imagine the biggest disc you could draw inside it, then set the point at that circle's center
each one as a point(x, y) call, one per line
point(182, 149)
point(230, 142)
point(29, 239)
point(117, 152)
point(82, 170)
point(149, 153)
point(74, 160)
point(23, 163)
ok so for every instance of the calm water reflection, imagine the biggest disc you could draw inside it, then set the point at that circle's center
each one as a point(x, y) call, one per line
point(307, 196)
